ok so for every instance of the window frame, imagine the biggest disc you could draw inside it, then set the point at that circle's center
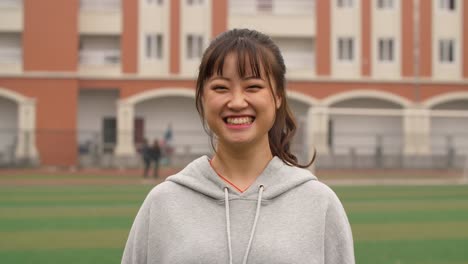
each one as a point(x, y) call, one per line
point(194, 46)
point(447, 51)
point(154, 46)
point(386, 50)
point(346, 49)
point(345, 4)
point(448, 5)
point(194, 2)
point(385, 4)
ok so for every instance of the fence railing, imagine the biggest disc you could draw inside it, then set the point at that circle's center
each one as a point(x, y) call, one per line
point(94, 149)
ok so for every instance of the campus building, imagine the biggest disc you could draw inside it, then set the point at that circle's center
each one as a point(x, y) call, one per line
point(373, 83)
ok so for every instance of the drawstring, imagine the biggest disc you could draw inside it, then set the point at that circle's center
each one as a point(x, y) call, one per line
point(259, 202)
point(228, 223)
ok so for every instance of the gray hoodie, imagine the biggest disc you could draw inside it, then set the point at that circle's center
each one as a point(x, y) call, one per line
point(285, 216)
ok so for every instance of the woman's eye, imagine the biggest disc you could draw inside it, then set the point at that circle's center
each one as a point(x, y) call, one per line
point(254, 87)
point(219, 88)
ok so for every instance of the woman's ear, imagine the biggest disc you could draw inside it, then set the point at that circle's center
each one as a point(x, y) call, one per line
point(278, 100)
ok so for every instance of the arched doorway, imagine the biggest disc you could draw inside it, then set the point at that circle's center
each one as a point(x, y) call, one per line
point(17, 129)
point(152, 114)
point(303, 142)
point(365, 129)
point(448, 129)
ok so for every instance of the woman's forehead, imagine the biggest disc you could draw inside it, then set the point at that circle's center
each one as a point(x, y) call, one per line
point(244, 64)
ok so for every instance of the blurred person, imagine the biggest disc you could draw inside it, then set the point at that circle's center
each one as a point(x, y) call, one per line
point(251, 202)
point(168, 144)
point(145, 152)
point(155, 155)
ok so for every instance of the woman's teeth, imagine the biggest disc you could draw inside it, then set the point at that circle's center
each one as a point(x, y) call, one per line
point(239, 120)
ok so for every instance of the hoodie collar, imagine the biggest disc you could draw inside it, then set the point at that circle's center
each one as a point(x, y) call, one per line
point(277, 178)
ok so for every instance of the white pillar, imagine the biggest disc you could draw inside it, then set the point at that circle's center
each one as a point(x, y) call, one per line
point(26, 137)
point(125, 116)
point(318, 129)
point(417, 132)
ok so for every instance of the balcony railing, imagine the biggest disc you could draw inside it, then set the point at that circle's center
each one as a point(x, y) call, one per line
point(100, 5)
point(11, 3)
point(100, 57)
point(274, 7)
point(10, 56)
point(299, 60)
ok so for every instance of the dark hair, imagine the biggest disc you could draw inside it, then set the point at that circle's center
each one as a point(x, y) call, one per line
point(256, 50)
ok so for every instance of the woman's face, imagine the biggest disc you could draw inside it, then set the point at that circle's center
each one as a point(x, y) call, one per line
point(239, 110)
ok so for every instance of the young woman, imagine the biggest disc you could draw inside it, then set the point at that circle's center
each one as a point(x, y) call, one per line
point(251, 202)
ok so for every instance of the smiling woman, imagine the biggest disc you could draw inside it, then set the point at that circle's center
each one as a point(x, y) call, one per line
point(239, 110)
point(251, 202)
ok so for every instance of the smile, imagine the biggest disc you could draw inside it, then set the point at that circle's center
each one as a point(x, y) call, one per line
point(245, 120)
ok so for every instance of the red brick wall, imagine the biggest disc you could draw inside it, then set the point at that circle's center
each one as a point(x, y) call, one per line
point(50, 37)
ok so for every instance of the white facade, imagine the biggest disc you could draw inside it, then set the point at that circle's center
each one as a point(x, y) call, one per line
point(99, 55)
point(346, 23)
point(100, 17)
point(19, 127)
point(201, 13)
point(386, 24)
point(11, 15)
point(11, 54)
point(298, 54)
point(8, 129)
point(153, 19)
point(447, 25)
point(285, 18)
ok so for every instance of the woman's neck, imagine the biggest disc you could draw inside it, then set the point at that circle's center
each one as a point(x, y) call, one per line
point(241, 165)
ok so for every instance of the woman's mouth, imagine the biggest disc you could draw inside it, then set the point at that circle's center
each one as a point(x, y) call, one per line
point(244, 120)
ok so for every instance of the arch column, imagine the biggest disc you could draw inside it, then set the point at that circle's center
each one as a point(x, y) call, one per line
point(317, 123)
point(125, 115)
point(26, 136)
point(416, 128)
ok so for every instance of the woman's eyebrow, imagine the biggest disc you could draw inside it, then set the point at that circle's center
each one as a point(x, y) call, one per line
point(252, 78)
point(220, 78)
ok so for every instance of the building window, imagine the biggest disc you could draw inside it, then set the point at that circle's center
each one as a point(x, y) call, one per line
point(194, 46)
point(446, 50)
point(154, 46)
point(448, 5)
point(384, 4)
point(345, 49)
point(386, 49)
point(345, 3)
point(195, 2)
point(155, 2)
point(265, 6)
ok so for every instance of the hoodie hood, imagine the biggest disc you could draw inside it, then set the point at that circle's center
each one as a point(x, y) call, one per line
point(277, 178)
point(285, 216)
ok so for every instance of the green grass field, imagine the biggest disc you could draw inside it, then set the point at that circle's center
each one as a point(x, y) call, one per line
point(90, 223)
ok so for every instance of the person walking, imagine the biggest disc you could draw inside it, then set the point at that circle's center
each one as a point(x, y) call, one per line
point(145, 152)
point(250, 202)
point(155, 154)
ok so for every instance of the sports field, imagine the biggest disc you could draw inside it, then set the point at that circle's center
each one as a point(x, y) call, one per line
point(68, 221)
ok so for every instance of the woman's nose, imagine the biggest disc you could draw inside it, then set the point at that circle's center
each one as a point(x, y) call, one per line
point(237, 101)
